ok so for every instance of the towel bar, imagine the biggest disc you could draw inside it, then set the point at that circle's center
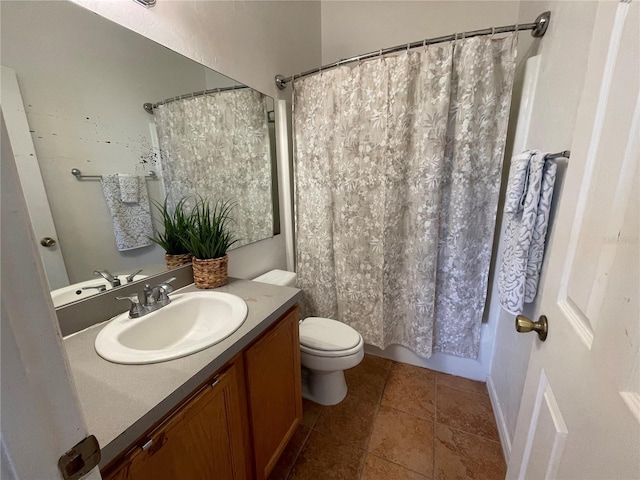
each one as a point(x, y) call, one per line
point(80, 176)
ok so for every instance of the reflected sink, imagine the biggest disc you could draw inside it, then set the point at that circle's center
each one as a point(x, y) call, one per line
point(72, 293)
point(190, 323)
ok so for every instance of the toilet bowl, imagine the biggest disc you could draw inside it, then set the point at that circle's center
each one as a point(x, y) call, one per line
point(327, 349)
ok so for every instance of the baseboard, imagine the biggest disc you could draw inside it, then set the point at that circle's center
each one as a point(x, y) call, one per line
point(505, 440)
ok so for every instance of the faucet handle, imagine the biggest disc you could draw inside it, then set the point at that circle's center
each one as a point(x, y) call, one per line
point(163, 289)
point(132, 276)
point(166, 288)
point(136, 309)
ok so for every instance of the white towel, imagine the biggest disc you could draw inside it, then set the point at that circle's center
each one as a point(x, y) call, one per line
point(132, 223)
point(525, 232)
point(129, 188)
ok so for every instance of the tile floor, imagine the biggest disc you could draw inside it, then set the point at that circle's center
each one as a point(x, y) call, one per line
point(397, 422)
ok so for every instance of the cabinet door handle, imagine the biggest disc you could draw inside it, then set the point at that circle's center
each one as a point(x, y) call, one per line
point(147, 445)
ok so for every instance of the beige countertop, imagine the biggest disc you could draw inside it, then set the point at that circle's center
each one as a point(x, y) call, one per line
point(120, 402)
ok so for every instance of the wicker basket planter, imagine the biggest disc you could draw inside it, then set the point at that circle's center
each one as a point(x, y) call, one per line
point(175, 261)
point(210, 273)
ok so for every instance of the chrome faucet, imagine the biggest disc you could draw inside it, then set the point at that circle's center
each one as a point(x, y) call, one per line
point(154, 299)
point(114, 281)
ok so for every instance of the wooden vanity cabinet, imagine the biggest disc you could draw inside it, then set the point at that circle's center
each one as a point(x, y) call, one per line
point(273, 387)
point(233, 427)
point(202, 440)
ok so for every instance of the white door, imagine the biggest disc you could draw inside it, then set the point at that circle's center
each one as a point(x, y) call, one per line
point(580, 411)
point(41, 416)
point(31, 180)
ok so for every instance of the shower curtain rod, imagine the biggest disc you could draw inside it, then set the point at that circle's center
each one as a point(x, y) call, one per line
point(538, 29)
point(148, 107)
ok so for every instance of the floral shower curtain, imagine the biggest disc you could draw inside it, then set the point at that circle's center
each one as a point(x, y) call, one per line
point(397, 172)
point(217, 146)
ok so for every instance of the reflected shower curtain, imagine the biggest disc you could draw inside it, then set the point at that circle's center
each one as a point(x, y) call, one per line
point(397, 172)
point(217, 146)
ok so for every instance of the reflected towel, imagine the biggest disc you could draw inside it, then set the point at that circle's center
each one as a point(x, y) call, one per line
point(132, 224)
point(525, 234)
point(129, 188)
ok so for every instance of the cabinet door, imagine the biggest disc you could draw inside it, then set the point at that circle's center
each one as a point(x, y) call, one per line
point(203, 440)
point(272, 367)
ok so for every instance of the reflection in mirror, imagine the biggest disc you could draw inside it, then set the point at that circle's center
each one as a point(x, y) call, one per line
point(73, 89)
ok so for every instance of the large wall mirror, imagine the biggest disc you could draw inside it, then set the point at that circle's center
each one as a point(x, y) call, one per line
point(81, 81)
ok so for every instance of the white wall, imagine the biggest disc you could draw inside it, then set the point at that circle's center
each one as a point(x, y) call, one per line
point(353, 27)
point(564, 52)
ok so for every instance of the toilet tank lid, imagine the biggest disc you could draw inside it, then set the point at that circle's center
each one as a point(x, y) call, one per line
point(278, 277)
point(327, 335)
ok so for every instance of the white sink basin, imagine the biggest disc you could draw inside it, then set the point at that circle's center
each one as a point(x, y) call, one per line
point(64, 295)
point(190, 323)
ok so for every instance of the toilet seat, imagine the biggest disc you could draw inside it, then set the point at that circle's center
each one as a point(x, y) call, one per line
point(325, 337)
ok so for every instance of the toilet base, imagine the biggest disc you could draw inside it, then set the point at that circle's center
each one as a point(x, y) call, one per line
point(324, 388)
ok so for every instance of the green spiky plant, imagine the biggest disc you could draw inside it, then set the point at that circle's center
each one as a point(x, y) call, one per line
point(208, 235)
point(176, 225)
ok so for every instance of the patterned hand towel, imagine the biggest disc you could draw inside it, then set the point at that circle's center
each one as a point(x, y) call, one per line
point(517, 183)
point(132, 224)
point(525, 233)
point(129, 188)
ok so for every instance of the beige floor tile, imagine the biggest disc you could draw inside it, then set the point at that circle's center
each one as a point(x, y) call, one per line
point(462, 383)
point(324, 457)
point(460, 455)
point(418, 373)
point(375, 468)
point(466, 411)
point(351, 420)
point(367, 380)
point(288, 458)
point(412, 390)
point(403, 439)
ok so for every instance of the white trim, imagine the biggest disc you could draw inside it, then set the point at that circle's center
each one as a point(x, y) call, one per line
point(535, 415)
point(578, 320)
point(503, 430)
point(632, 400)
point(560, 438)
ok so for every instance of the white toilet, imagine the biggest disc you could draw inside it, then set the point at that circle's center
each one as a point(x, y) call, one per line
point(327, 348)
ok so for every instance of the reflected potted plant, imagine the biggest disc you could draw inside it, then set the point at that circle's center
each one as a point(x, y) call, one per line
point(208, 238)
point(176, 223)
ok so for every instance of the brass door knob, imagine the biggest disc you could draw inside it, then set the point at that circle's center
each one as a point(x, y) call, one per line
point(47, 242)
point(524, 324)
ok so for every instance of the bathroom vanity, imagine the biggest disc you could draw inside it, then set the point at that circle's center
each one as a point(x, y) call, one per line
point(225, 412)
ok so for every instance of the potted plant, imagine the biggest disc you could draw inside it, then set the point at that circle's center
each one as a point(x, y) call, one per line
point(176, 224)
point(208, 238)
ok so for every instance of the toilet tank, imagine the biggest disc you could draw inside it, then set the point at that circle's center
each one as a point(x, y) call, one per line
point(278, 277)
